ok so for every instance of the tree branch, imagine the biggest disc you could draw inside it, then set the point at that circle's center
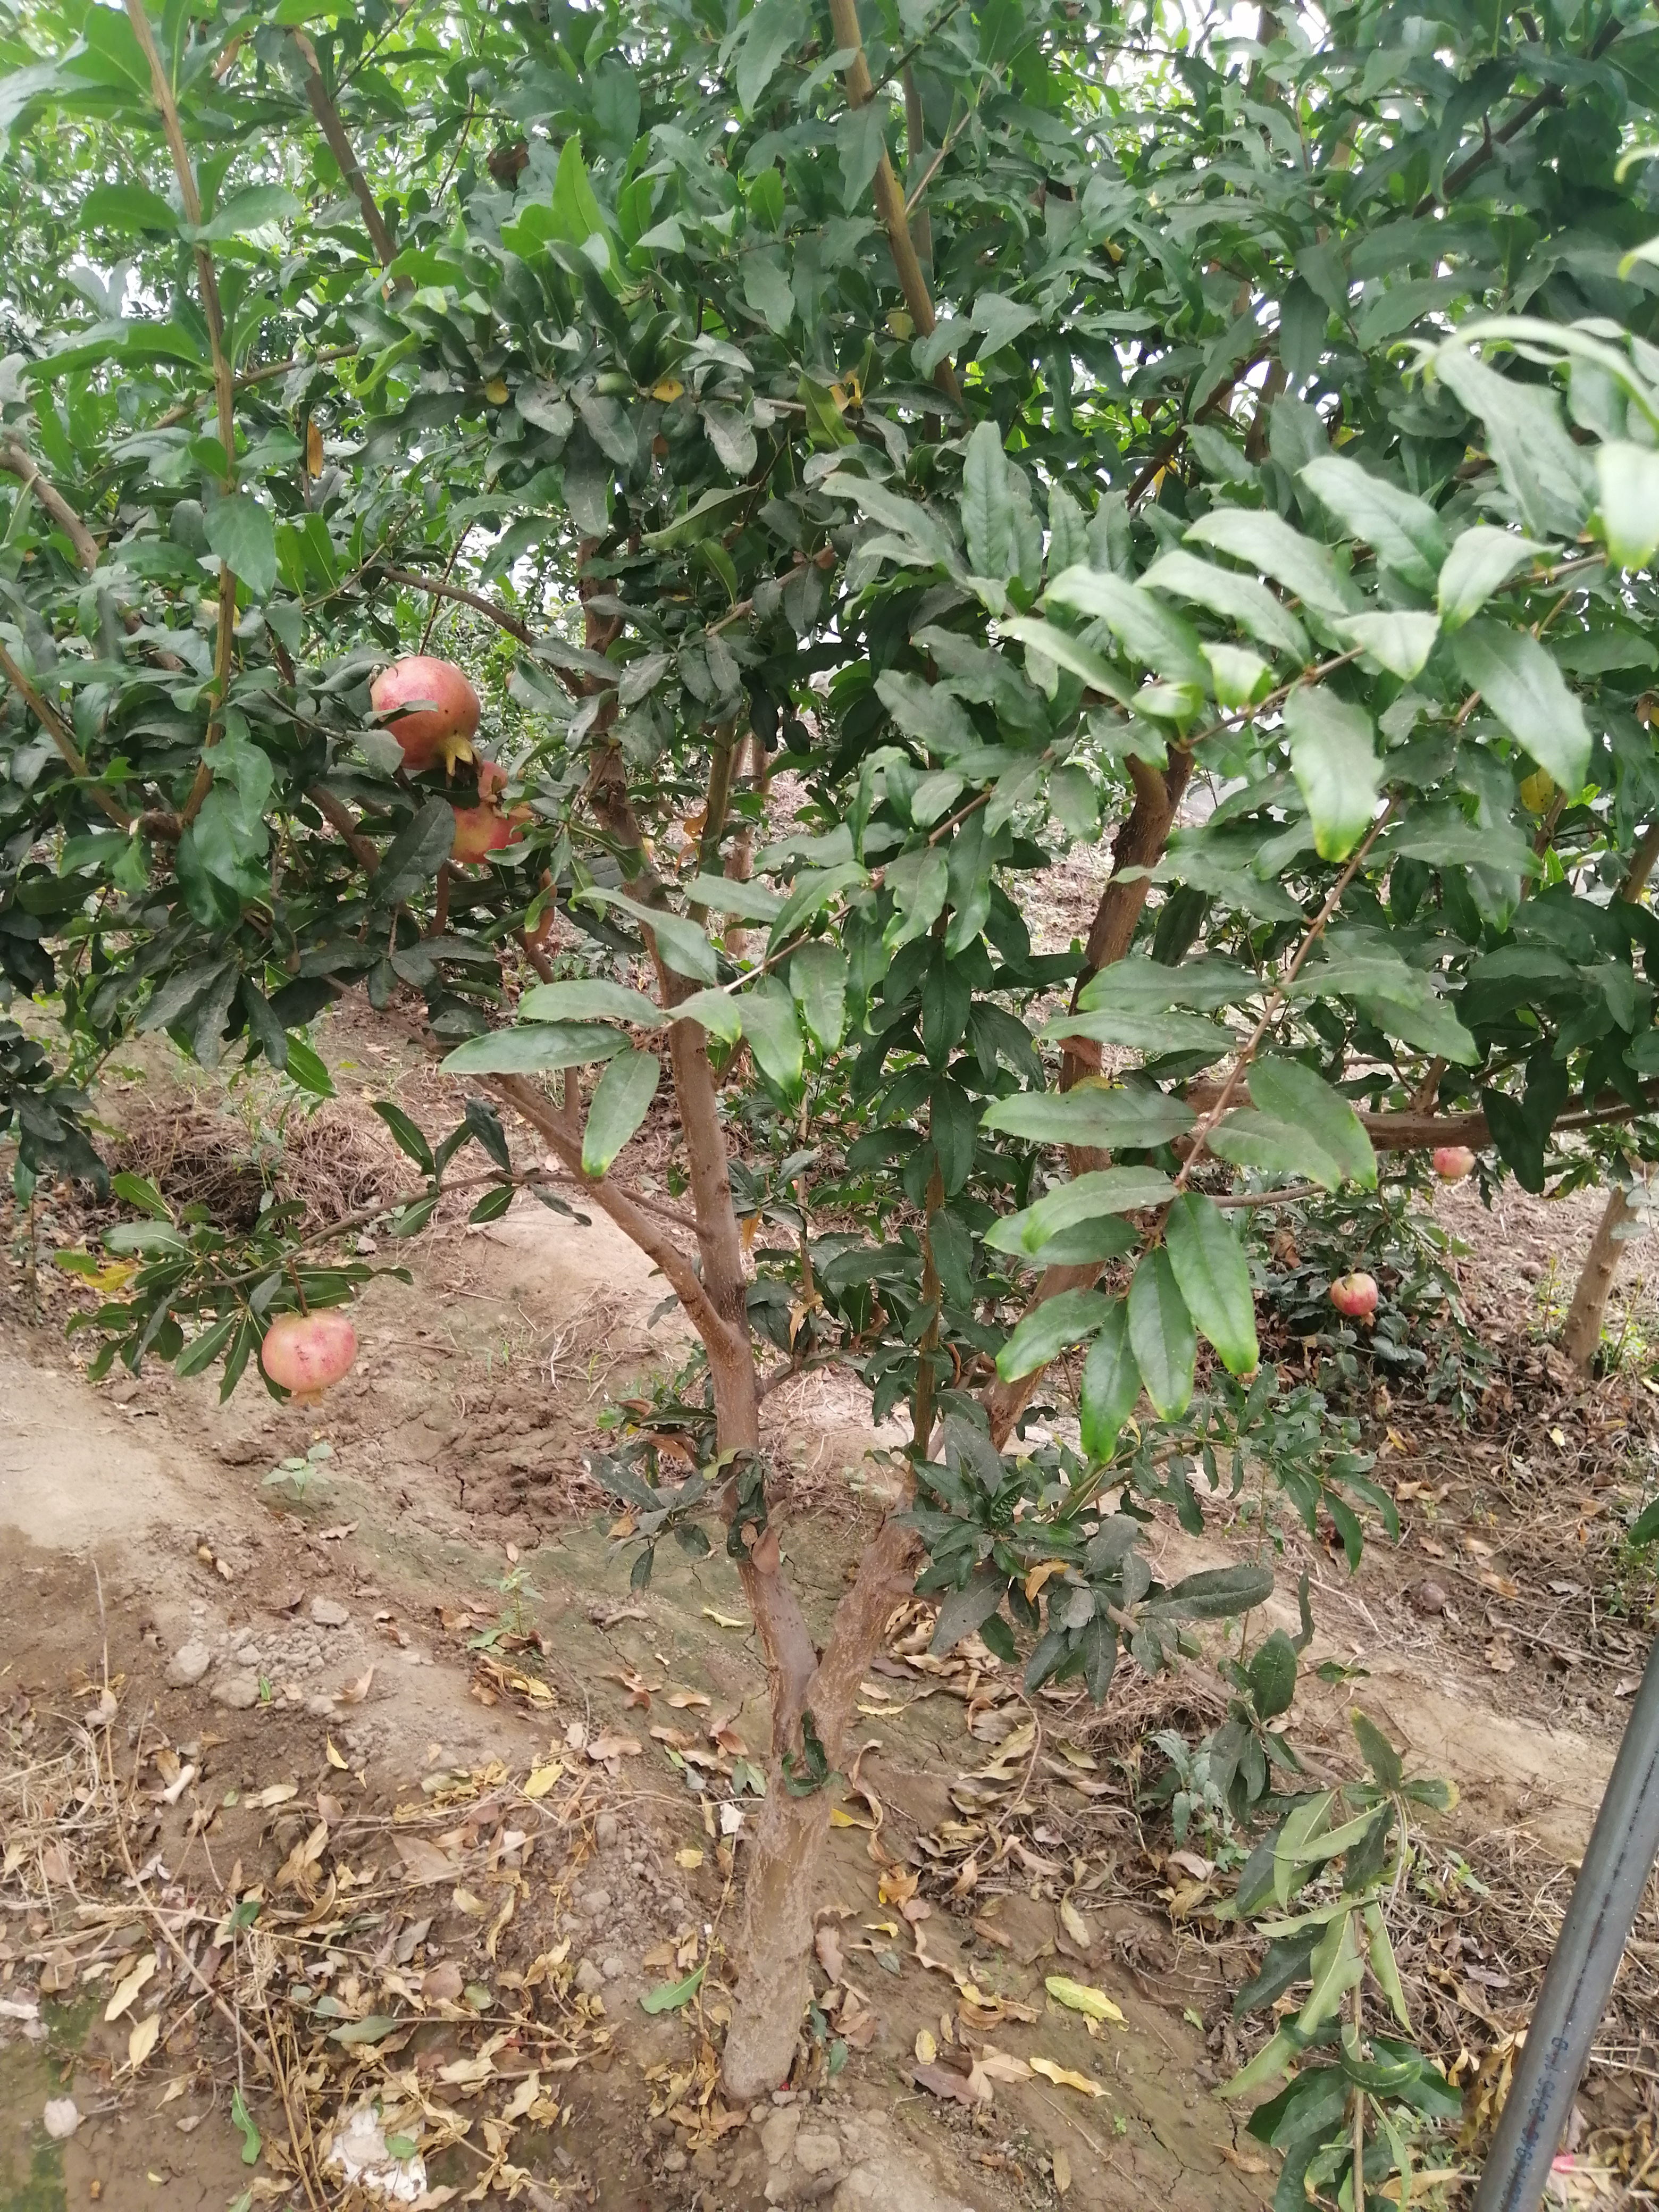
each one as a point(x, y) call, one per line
point(223, 381)
point(23, 466)
point(1454, 180)
point(336, 812)
point(58, 730)
point(889, 197)
point(340, 146)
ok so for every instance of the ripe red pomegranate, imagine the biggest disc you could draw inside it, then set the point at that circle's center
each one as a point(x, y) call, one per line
point(305, 1352)
point(1355, 1295)
point(1451, 1163)
point(430, 708)
point(480, 831)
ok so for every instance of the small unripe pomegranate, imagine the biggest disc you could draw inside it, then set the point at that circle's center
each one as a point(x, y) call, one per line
point(305, 1352)
point(1451, 1163)
point(430, 708)
point(1355, 1295)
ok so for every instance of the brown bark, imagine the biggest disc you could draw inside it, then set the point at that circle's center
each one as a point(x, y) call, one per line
point(1582, 1336)
point(328, 117)
point(17, 463)
point(889, 195)
point(1587, 1315)
point(775, 1944)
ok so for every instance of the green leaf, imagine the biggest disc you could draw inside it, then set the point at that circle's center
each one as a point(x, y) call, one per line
point(1111, 1384)
point(1301, 565)
point(1480, 560)
point(1645, 1528)
point(772, 28)
point(1402, 530)
point(139, 1191)
point(1217, 1593)
point(669, 1997)
point(374, 2028)
point(620, 1100)
point(1240, 599)
point(1115, 1119)
point(964, 1612)
point(1527, 438)
point(1151, 633)
point(588, 999)
point(1001, 320)
point(1400, 642)
point(683, 946)
point(1628, 481)
point(1336, 1965)
point(817, 977)
point(244, 536)
point(1294, 1093)
point(1068, 652)
point(1239, 677)
point(406, 1135)
point(750, 902)
point(1141, 1031)
point(1522, 685)
point(493, 1204)
point(1046, 1331)
point(1104, 1190)
point(1213, 1277)
point(1161, 1335)
point(1333, 759)
point(859, 142)
point(774, 1035)
point(1383, 1966)
point(1378, 1753)
point(1278, 2053)
point(253, 2142)
point(204, 1349)
point(129, 207)
point(247, 211)
point(988, 506)
point(718, 1011)
point(533, 1048)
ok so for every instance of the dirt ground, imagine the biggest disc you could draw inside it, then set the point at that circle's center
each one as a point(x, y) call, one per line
point(335, 1745)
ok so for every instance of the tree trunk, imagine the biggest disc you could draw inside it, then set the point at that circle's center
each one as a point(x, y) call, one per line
point(780, 1889)
point(1582, 1336)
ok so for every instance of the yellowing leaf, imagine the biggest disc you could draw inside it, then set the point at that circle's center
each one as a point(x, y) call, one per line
point(142, 2041)
point(838, 1819)
point(1078, 1997)
point(688, 1858)
point(542, 1779)
point(926, 2049)
point(1063, 2078)
point(1074, 1924)
point(335, 1756)
point(128, 1990)
point(1038, 1577)
point(723, 1619)
point(668, 390)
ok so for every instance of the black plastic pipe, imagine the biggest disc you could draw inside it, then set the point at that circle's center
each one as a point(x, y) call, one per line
point(1606, 1899)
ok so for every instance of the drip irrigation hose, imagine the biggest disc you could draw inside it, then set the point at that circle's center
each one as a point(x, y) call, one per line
point(1606, 1899)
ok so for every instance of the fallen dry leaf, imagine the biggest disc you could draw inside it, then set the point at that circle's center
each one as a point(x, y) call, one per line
point(1500, 1657)
point(422, 1860)
point(1062, 2167)
point(926, 2049)
point(127, 1991)
point(142, 2040)
point(826, 1944)
point(541, 1779)
point(1074, 1924)
point(1249, 2161)
point(1079, 1996)
point(722, 1620)
point(335, 1756)
point(278, 1793)
point(688, 1858)
point(1063, 2078)
point(945, 2082)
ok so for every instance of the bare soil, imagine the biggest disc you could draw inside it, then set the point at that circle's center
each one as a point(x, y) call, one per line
point(409, 1614)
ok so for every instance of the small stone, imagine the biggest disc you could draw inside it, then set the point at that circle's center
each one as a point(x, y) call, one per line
point(589, 1980)
point(1428, 1597)
point(673, 2161)
point(613, 1969)
point(778, 2135)
point(249, 1656)
point(61, 2118)
point(594, 1900)
point(239, 1692)
point(329, 1612)
point(816, 2151)
point(320, 1709)
point(605, 1830)
point(705, 2165)
point(188, 1664)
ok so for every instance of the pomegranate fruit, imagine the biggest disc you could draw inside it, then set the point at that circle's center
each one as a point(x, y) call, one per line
point(480, 831)
point(430, 708)
point(305, 1352)
point(1355, 1295)
point(1451, 1163)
